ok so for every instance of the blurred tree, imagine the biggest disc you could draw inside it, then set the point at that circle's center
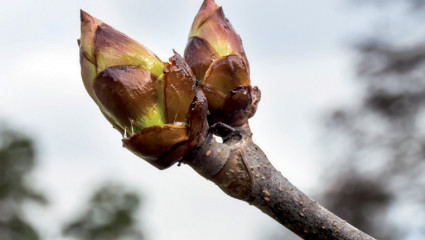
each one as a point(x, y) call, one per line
point(17, 160)
point(111, 215)
point(377, 181)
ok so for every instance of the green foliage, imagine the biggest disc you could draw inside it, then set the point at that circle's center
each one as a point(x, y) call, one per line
point(17, 159)
point(110, 215)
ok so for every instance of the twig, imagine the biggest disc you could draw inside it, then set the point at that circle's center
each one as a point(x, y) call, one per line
point(242, 170)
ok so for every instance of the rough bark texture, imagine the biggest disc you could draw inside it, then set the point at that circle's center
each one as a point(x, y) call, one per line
point(242, 170)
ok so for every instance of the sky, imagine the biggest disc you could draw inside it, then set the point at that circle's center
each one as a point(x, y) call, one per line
point(300, 56)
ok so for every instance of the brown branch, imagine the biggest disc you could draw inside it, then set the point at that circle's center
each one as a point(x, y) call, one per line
point(242, 170)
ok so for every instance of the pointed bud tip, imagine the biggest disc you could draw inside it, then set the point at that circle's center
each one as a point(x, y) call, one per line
point(87, 18)
point(84, 16)
point(207, 8)
point(209, 4)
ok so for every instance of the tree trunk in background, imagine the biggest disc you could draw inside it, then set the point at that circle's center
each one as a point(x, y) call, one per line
point(380, 174)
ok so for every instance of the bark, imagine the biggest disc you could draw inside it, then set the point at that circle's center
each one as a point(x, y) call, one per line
point(242, 170)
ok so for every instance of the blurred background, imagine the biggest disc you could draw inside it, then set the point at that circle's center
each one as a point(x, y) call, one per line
point(342, 116)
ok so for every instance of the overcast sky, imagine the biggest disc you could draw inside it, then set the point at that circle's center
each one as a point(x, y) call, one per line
point(300, 57)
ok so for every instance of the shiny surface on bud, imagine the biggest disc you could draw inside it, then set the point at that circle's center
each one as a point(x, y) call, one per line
point(227, 74)
point(128, 95)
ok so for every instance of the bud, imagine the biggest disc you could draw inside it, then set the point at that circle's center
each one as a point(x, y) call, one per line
point(217, 58)
point(156, 106)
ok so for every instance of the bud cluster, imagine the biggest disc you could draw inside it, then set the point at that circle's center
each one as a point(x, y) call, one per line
point(158, 107)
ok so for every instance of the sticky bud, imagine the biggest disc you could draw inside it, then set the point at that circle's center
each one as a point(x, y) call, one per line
point(156, 106)
point(216, 55)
